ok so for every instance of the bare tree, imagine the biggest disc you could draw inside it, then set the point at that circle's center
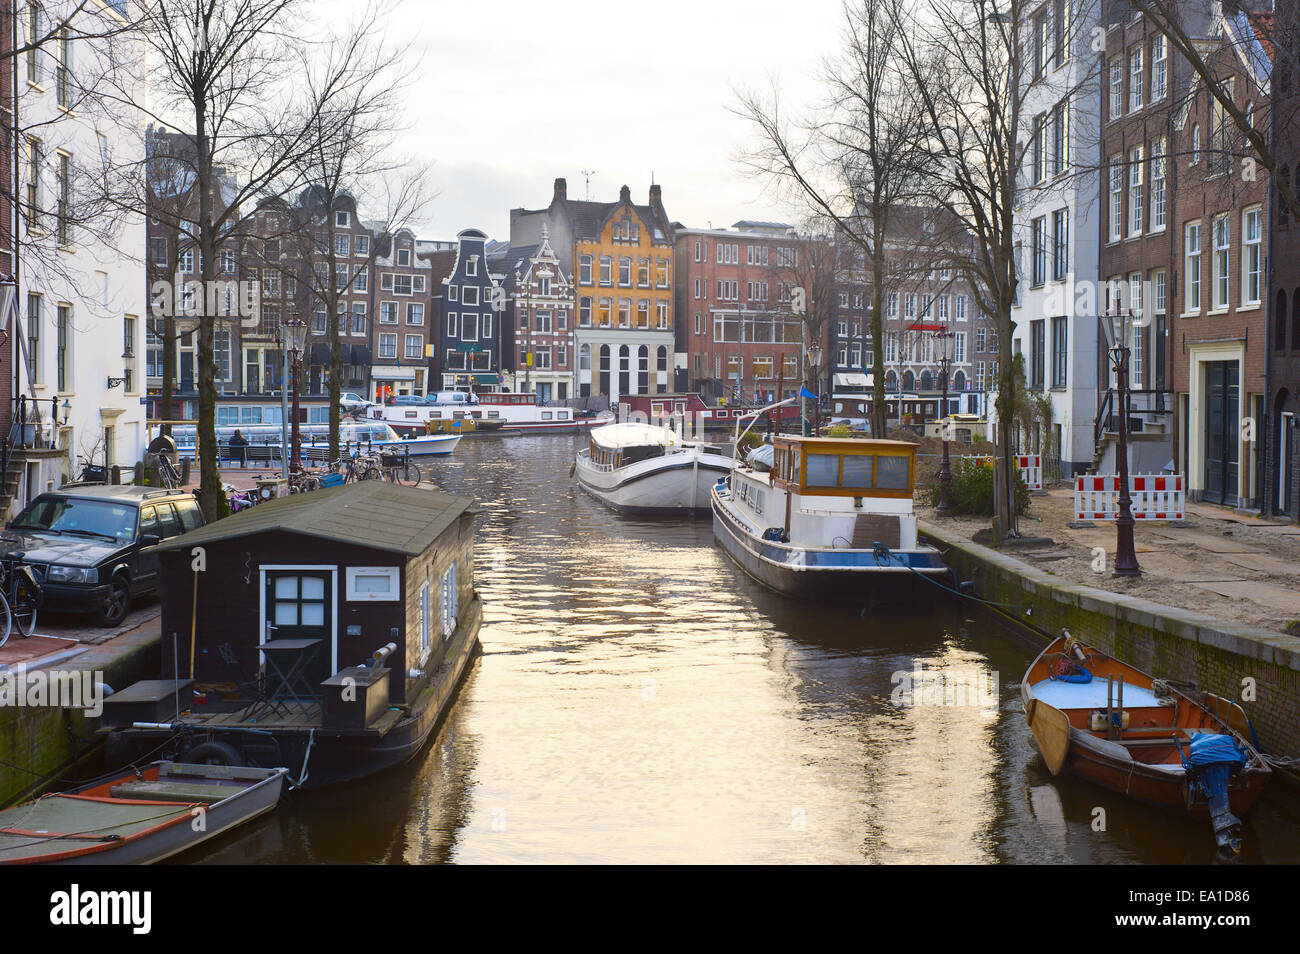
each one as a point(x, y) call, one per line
point(855, 160)
point(228, 74)
point(968, 68)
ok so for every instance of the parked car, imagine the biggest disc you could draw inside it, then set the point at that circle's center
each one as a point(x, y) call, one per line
point(408, 400)
point(92, 547)
point(351, 403)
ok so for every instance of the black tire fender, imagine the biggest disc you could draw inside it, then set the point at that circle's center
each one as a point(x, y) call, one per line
point(212, 753)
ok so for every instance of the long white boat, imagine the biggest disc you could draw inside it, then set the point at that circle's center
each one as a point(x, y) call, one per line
point(500, 412)
point(427, 445)
point(828, 518)
point(644, 469)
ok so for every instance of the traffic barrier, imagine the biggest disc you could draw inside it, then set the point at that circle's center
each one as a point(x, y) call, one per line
point(1155, 497)
point(1029, 465)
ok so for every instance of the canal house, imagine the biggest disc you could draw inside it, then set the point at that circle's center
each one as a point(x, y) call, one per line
point(345, 614)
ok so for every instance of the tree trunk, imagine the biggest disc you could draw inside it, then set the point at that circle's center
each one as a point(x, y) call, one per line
point(879, 412)
point(209, 476)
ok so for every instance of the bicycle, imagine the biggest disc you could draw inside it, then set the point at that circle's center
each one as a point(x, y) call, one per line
point(168, 475)
point(399, 469)
point(20, 598)
point(364, 467)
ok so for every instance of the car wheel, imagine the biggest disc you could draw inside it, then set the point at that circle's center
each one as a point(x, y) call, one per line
point(116, 604)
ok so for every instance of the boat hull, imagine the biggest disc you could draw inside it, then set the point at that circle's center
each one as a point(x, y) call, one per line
point(432, 445)
point(319, 757)
point(660, 486)
point(844, 575)
point(242, 806)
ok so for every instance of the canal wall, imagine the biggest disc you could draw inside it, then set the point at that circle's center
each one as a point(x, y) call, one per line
point(1229, 659)
point(40, 742)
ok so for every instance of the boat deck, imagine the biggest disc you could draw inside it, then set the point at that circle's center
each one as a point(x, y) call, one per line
point(292, 718)
point(1092, 695)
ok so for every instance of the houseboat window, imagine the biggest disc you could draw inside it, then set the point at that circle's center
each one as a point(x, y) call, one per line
point(424, 621)
point(369, 583)
point(562, 416)
point(546, 415)
point(449, 602)
point(436, 415)
point(891, 473)
point(823, 470)
point(857, 471)
point(492, 414)
point(410, 414)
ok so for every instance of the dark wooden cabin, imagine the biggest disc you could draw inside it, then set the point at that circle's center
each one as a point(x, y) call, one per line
point(350, 565)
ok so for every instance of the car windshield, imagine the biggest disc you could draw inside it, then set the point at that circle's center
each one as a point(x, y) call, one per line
point(100, 518)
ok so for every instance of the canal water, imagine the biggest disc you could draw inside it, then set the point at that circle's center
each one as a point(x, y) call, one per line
point(639, 699)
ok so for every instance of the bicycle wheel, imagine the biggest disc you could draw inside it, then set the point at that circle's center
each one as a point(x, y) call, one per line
point(409, 475)
point(6, 620)
point(372, 473)
point(26, 603)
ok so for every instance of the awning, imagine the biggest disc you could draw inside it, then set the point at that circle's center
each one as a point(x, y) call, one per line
point(381, 372)
point(487, 378)
point(467, 346)
point(852, 379)
point(360, 355)
point(319, 354)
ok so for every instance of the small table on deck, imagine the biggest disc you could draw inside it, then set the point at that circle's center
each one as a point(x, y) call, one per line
point(287, 661)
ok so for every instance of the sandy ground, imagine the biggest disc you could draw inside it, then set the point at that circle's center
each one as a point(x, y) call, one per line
point(1224, 564)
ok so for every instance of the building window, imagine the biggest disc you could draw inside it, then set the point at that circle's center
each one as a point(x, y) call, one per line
point(1060, 137)
point(65, 199)
point(1040, 147)
point(1135, 78)
point(34, 338)
point(1196, 145)
point(1220, 234)
point(1158, 185)
point(415, 346)
point(1159, 68)
point(63, 360)
point(64, 76)
point(1060, 245)
point(1116, 87)
point(1192, 253)
point(33, 40)
point(1037, 353)
point(606, 270)
point(1135, 191)
point(1116, 198)
point(1039, 250)
point(388, 346)
point(1060, 356)
point(1251, 256)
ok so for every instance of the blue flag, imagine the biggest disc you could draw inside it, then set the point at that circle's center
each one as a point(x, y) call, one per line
point(805, 393)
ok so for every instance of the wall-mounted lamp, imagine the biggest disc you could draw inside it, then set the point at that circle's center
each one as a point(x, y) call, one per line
point(67, 410)
point(114, 382)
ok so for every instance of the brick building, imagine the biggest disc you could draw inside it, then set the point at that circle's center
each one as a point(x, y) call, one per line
point(403, 313)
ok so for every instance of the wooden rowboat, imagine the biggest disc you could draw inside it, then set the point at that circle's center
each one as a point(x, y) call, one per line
point(1144, 738)
point(138, 818)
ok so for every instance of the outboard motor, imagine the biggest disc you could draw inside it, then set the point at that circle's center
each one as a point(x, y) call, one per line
point(1211, 762)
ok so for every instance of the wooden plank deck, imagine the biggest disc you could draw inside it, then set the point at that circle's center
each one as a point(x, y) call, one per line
point(290, 716)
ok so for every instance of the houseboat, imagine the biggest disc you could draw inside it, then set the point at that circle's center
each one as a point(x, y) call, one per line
point(827, 518)
point(646, 469)
point(327, 632)
point(1150, 740)
point(504, 412)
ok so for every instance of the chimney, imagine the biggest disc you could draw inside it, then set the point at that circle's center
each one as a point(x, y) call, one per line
point(561, 189)
point(656, 194)
point(625, 194)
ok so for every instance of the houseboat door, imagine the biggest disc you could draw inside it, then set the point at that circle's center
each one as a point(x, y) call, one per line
point(299, 604)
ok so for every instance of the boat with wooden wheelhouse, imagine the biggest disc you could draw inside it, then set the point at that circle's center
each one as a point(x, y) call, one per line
point(1148, 739)
point(828, 518)
point(139, 817)
point(645, 469)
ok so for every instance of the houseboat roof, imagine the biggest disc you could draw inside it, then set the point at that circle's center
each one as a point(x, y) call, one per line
point(372, 513)
point(845, 441)
point(630, 434)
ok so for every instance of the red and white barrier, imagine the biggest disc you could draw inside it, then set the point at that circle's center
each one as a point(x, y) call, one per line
point(1155, 497)
point(1029, 465)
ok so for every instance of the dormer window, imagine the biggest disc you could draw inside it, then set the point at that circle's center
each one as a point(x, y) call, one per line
point(471, 265)
point(341, 220)
point(403, 257)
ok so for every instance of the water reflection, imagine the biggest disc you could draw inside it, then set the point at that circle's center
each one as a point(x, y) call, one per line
point(640, 699)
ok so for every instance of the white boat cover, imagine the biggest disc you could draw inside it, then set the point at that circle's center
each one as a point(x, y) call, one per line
point(628, 434)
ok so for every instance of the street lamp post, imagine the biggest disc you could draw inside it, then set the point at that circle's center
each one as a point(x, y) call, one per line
point(1116, 327)
point(296, 339)
point(815, 361)
point(945, 468)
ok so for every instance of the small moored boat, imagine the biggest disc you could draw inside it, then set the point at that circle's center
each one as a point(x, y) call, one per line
point(645, 469)
point(138, 818)
point(1142, 737)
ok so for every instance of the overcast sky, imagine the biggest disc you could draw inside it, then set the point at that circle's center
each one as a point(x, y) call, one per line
point(513, 94)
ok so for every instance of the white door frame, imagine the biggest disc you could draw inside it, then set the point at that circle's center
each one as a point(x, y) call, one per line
point(334, 603)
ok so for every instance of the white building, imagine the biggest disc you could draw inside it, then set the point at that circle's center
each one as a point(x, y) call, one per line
point(81, 274)
point(1055, 318)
